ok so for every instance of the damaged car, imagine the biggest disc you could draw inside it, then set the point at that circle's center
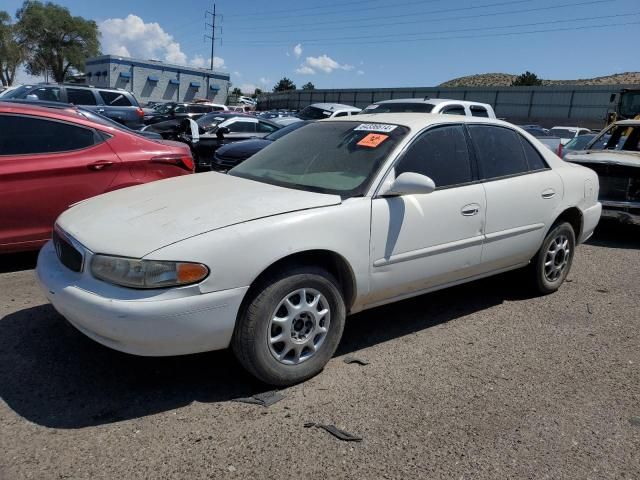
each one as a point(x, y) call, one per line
point(339, 216)
point(615, 156)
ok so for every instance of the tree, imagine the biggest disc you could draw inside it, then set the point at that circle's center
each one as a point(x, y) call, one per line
point(56, 42)
point(257, 92)
point(236, 91)
point(527, 79)
point(308, 86)
point(283, 85)
point(12, 53)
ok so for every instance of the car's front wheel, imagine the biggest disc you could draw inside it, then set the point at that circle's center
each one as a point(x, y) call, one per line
point(552, 263)
point(290, 326)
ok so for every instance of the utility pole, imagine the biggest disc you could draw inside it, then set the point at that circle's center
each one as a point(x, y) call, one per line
point(213, 31)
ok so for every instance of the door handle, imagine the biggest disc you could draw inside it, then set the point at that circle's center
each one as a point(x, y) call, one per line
point(101, 110)
point(549, 193)
point(99, 165)
point(470, 210)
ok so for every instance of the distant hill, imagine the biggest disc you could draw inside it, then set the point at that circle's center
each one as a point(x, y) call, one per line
point(505, 79)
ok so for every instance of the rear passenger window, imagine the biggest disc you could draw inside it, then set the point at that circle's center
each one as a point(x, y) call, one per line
point(454, 110)
point(499, 151)
point(115, 99)
point(79, 96)
point(341, 114)
point(29, 135)
point(440, 154)
point(479, 112)
point(534, 159)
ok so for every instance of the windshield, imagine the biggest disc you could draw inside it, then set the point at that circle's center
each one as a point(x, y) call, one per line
point(102, 120)
point(579, 143)
point(562, 132)
point(165, 108)
point(327, 157)
point(630, 104)
point(397, 107)
point(207, 122)
point(18, 92)
point(314, 113)
point(283, 131)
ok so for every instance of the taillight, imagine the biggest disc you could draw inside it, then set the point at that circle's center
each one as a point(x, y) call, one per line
point(183, 161)
point(140, 112)
point(560, 150)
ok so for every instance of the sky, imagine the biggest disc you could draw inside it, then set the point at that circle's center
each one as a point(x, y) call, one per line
point(373, 43)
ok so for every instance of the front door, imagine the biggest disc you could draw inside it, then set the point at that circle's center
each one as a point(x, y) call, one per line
point(419, 242)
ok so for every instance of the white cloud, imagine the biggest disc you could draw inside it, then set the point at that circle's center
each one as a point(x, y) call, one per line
point(297, 50)
point(201, 62)
point(305, 70)
point(323, 63)
point(237, 74)
point(132, 37)
point(265, 80)
point(360, 72)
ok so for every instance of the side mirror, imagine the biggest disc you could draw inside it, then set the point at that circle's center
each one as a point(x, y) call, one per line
point(410, 183)
point(221, 132)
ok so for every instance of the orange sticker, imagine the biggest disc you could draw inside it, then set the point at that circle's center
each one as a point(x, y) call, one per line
point(372, 140)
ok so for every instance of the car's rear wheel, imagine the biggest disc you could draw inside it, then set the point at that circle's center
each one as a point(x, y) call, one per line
point(552, 263)
point(290, 326)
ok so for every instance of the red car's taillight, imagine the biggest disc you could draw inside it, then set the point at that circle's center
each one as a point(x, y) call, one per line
point(140, 112)
point(560, 150)
point(183, 161)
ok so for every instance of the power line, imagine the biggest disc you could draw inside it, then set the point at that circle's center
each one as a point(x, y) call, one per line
point(404, 15)
point(506, 34)
point(405, 35)
point(456, 17)
point(325, 12)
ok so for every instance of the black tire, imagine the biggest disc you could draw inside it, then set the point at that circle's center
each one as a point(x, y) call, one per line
point(544, 277)
point(251, 337)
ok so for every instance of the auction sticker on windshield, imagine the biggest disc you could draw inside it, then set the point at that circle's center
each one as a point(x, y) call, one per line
point(372, 140)
point(375, 127)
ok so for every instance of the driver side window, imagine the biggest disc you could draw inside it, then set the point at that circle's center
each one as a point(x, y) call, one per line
point(441, 154)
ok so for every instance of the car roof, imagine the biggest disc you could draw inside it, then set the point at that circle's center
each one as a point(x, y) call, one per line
point(430, 101)
point(570, 128)
point(334, 106)
point(416, 121)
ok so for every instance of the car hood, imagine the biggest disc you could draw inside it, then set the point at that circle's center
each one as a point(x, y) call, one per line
point(136, 221)
point(611, 157)
point(242, 149)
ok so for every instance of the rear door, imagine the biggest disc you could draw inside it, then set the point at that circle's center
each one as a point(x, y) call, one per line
point(45, 166)
point(523, 195)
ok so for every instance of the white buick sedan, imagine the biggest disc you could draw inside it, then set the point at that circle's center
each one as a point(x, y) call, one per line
point(339, 216)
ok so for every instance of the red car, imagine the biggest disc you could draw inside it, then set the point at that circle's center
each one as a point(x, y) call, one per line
point(53, 157)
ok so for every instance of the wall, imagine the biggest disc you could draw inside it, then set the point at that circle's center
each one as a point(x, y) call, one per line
point(559, 105)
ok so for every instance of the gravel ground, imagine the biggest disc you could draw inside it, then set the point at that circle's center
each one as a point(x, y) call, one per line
point(479, 381)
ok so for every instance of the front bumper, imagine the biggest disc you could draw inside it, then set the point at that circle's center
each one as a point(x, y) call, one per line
point(141, 322)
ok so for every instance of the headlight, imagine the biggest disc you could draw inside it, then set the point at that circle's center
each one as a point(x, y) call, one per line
point(134, 273)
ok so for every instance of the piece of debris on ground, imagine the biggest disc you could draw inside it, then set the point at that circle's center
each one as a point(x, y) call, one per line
point(358, 360)
point(335, 431)
point(265, 399)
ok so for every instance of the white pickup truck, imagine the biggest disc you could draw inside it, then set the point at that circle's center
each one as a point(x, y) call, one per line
point(432, 105)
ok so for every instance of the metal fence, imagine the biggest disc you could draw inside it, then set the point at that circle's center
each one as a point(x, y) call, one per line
point(569, 105)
